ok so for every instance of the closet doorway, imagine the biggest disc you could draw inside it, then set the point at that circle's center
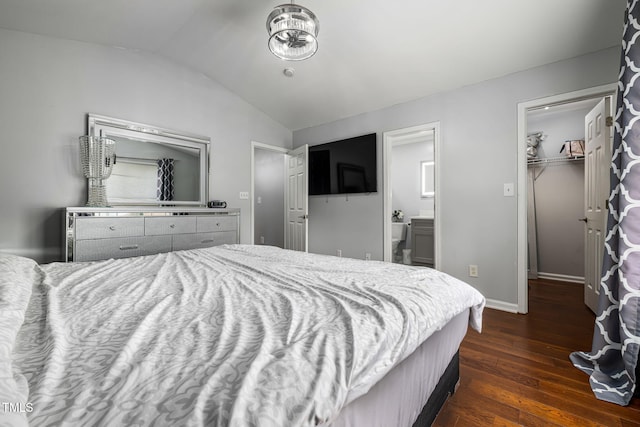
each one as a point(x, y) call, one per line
point(551, 188)
point(556, 190)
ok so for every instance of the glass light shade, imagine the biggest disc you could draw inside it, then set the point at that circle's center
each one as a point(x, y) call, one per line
point(97, 156)
point(292, 32)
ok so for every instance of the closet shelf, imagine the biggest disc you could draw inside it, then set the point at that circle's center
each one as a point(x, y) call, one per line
point(561, 159)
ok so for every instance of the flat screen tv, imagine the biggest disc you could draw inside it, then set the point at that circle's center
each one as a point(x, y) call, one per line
point(345, 166)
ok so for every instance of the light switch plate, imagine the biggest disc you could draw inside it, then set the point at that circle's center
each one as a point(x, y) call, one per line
point(244, 195)
point(473, 270)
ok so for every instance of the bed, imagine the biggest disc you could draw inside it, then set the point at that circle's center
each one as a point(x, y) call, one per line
point(234, 335)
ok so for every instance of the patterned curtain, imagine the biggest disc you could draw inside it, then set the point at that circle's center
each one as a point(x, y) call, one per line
point(166, 190)
point(612, 363)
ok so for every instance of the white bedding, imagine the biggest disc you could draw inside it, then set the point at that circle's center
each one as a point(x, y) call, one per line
point(234, 335)
point(398, 399)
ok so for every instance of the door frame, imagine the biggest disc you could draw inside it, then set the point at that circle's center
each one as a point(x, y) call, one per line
point(523, 108)
point(260, 146)
point(387, 144)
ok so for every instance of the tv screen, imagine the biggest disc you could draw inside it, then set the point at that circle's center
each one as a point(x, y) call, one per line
point(345, 166)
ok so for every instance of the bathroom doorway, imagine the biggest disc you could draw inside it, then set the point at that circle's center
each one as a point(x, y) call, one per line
point(410, 192)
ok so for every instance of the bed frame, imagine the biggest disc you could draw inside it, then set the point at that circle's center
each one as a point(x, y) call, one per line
point(445, 387)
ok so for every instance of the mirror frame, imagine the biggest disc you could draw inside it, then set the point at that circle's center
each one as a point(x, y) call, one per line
point(98, 125)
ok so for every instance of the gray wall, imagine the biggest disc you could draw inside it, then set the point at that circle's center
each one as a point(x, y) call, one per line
point(478, 155)
point(559, 196)
point(269, 176)
point(49, 85)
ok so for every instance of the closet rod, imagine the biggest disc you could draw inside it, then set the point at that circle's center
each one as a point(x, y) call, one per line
point(554, 160)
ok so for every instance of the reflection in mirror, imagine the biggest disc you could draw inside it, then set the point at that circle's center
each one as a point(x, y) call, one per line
point(154, 165)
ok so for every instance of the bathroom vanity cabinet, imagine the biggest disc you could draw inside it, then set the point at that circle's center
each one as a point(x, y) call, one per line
point(422, 242)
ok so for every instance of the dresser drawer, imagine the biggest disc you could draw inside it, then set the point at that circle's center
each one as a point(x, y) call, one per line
point(217, 223)
point(169, 225)
point(106, 228)
point(97, 249)
point(203, 240)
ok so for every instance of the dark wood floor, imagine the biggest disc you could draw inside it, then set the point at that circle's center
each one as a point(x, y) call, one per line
point(517, 372)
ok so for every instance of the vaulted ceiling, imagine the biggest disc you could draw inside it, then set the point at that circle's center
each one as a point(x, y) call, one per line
point(372, 54)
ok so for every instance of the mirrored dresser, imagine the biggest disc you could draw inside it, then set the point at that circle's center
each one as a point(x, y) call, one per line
point(120, 232)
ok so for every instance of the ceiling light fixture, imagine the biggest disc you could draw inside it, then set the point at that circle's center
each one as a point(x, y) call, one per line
point(292, 32)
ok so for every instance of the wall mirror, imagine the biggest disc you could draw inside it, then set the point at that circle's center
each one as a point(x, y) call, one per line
point(154, 166)
point(427, 179)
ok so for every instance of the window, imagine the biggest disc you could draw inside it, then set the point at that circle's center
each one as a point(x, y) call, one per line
point(133, 180)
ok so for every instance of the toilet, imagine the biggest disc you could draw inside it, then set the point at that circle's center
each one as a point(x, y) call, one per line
point(398, 235)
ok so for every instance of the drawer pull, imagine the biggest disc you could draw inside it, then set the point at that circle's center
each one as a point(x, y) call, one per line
point(172, 226)
point(112, 227)
point(217, 224)
point(207, 241)
point(128, 247)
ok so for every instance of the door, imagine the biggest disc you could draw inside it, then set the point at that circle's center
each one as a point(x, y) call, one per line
point(296, 227)
point(597, 163)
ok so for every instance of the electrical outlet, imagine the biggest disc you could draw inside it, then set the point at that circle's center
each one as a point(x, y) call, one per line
point(262, 240)
point(367, 256)
point(244, 195)
point(339, 252)
point(473, 270)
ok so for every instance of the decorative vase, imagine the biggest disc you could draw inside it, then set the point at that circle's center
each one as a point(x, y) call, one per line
point(97, 157)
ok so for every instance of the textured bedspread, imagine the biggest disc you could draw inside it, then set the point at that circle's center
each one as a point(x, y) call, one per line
point(234, 335)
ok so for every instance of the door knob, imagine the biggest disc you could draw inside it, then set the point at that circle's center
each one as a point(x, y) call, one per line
point(583, 219)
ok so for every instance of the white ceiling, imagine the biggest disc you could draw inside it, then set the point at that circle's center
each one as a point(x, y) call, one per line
point(372, 54)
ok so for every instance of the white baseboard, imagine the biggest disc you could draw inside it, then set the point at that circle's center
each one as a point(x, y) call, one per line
point(561, 277)
point(513, 308)
point(501, 305)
